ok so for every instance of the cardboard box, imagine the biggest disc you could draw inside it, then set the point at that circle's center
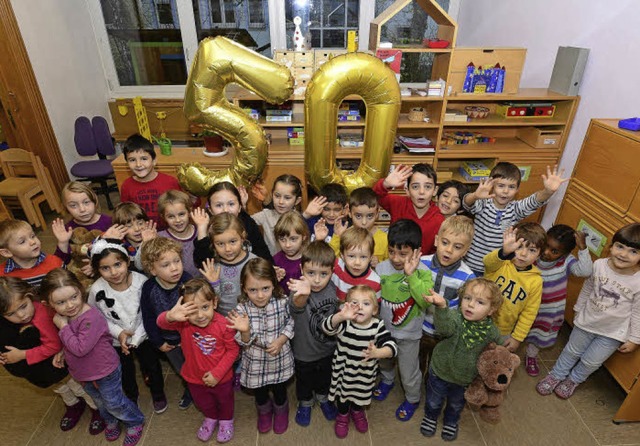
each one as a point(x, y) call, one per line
point(512, 59)
point(547, 138)
point(304, 59)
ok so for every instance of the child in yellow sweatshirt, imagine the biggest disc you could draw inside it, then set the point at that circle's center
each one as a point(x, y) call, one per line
point(519, 280)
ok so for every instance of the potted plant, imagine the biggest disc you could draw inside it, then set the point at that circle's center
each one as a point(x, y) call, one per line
point(213, 143)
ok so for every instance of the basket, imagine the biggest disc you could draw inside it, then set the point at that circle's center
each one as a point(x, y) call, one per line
point(476, 112)
point(417, 114)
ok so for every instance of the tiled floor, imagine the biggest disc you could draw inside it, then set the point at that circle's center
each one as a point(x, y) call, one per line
point(30, 416)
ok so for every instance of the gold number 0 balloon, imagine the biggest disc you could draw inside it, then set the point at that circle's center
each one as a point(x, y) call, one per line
point(219, 62)
point(357, 74)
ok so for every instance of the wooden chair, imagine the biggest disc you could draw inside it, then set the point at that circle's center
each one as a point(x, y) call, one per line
point(27, 185)
point(5, 214)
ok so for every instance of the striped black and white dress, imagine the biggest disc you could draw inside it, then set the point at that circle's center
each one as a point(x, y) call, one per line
point(353, 378)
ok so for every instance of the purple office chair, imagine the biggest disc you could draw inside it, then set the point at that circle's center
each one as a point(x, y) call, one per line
point(92, 140)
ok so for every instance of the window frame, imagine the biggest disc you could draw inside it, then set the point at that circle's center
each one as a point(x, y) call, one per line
point(278, 36)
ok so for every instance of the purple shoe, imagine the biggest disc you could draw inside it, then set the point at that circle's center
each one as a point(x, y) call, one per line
point(360, 420)
point(112, 431)
point(133, 436)
point(531, 366)
point(236, 382)
point(342, 425)
point(96, 425)
point(565, 389)
point(225, 432)
point(280, 418)
point(206, 429)
point(72, 415)
point(547, 385)
point(265, 417)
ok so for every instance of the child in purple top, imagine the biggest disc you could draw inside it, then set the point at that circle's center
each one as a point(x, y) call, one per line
point(292, 234)
point(81, 202)
point(89, 354)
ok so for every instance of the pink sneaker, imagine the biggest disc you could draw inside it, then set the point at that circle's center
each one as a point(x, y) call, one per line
point(565, 389)
point(547, 385)
point(531, 366)
point(360, 420)
point(225, 432)
point(342, 425)
point(206, 429)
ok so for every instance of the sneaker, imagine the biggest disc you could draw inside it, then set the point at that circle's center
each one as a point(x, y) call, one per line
point(96, 425)
point(185, 401)
point(359, 418)
point(547, 385)
point(381, 392)
point(112, 431)
point(160, 405)
point(449, 432)
point(428, 426)
point(531, 366)
point(72, 415)
point(236, 382)
point(342, 425)
point(303, 415)
point(329, 410)
point(206, 429)
point(133, 436)
point(225, 432)
point(565, 389)
point(406, 410)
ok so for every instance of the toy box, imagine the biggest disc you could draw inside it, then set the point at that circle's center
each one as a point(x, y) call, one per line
point(526, 110)
point(476, 170)
point(547, 138)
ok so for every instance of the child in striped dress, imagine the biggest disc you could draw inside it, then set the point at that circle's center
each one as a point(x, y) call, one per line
point(362, 339)
point(556, 263)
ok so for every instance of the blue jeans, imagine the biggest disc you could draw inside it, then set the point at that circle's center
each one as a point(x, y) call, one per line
point(111, 402)
point(437, 391)
point(586, 351)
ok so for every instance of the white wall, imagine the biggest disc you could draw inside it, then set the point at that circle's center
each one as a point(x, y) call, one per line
point(609, 29)
point(64, 54)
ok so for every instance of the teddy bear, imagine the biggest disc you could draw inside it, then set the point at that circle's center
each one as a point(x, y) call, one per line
point(79, 244)
point(496, 366)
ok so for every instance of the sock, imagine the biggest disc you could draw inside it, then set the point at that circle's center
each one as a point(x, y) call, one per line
point(428, 426)
point(532, 350)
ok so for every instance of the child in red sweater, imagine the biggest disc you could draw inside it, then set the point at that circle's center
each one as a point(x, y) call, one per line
point(418, 206)
point(209, 349)
point(146, 185)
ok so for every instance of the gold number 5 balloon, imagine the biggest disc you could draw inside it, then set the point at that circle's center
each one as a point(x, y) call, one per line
point(358, 74)
point(219, 62)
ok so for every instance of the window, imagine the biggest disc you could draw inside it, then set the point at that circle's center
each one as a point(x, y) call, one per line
point(147, 46)
point(325, 22)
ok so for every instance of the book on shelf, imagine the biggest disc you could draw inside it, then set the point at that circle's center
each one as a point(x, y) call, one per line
point(351, 140)
point(417, 145)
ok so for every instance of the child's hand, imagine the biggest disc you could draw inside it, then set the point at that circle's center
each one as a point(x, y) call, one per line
point(320, 230)
point(62, 234)
point(87, 269)
point(435, 299)
point(244, 196)
point(510, 241)
point(373, 352)
point(60, 321)
point(260, 192)
point(237, 321)
point(274, 348)
point(210, 270)
point(58, 360)
point(166, 347)
point(553, 180)
point(281, 273)
point(301, 287)
point(412, 262)
point(398, 177)
point(627, 347)
point(581, 240)
point(349, 311)
point(181, 311)
point(116, 232)
point(315, 207)
point(484, 189)
point(374, 262)
point(209, 380)
point(12, 355)
point(123, 339)
point(149, 231)
point(340, 226)
point(511, 344)
point(200, 218)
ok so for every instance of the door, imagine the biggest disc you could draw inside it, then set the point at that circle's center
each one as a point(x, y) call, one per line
point(24, 120)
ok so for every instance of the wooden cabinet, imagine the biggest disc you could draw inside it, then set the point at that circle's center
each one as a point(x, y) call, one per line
point(604, 191)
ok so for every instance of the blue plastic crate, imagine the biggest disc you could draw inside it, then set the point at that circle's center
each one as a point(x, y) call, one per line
point(630, 124)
